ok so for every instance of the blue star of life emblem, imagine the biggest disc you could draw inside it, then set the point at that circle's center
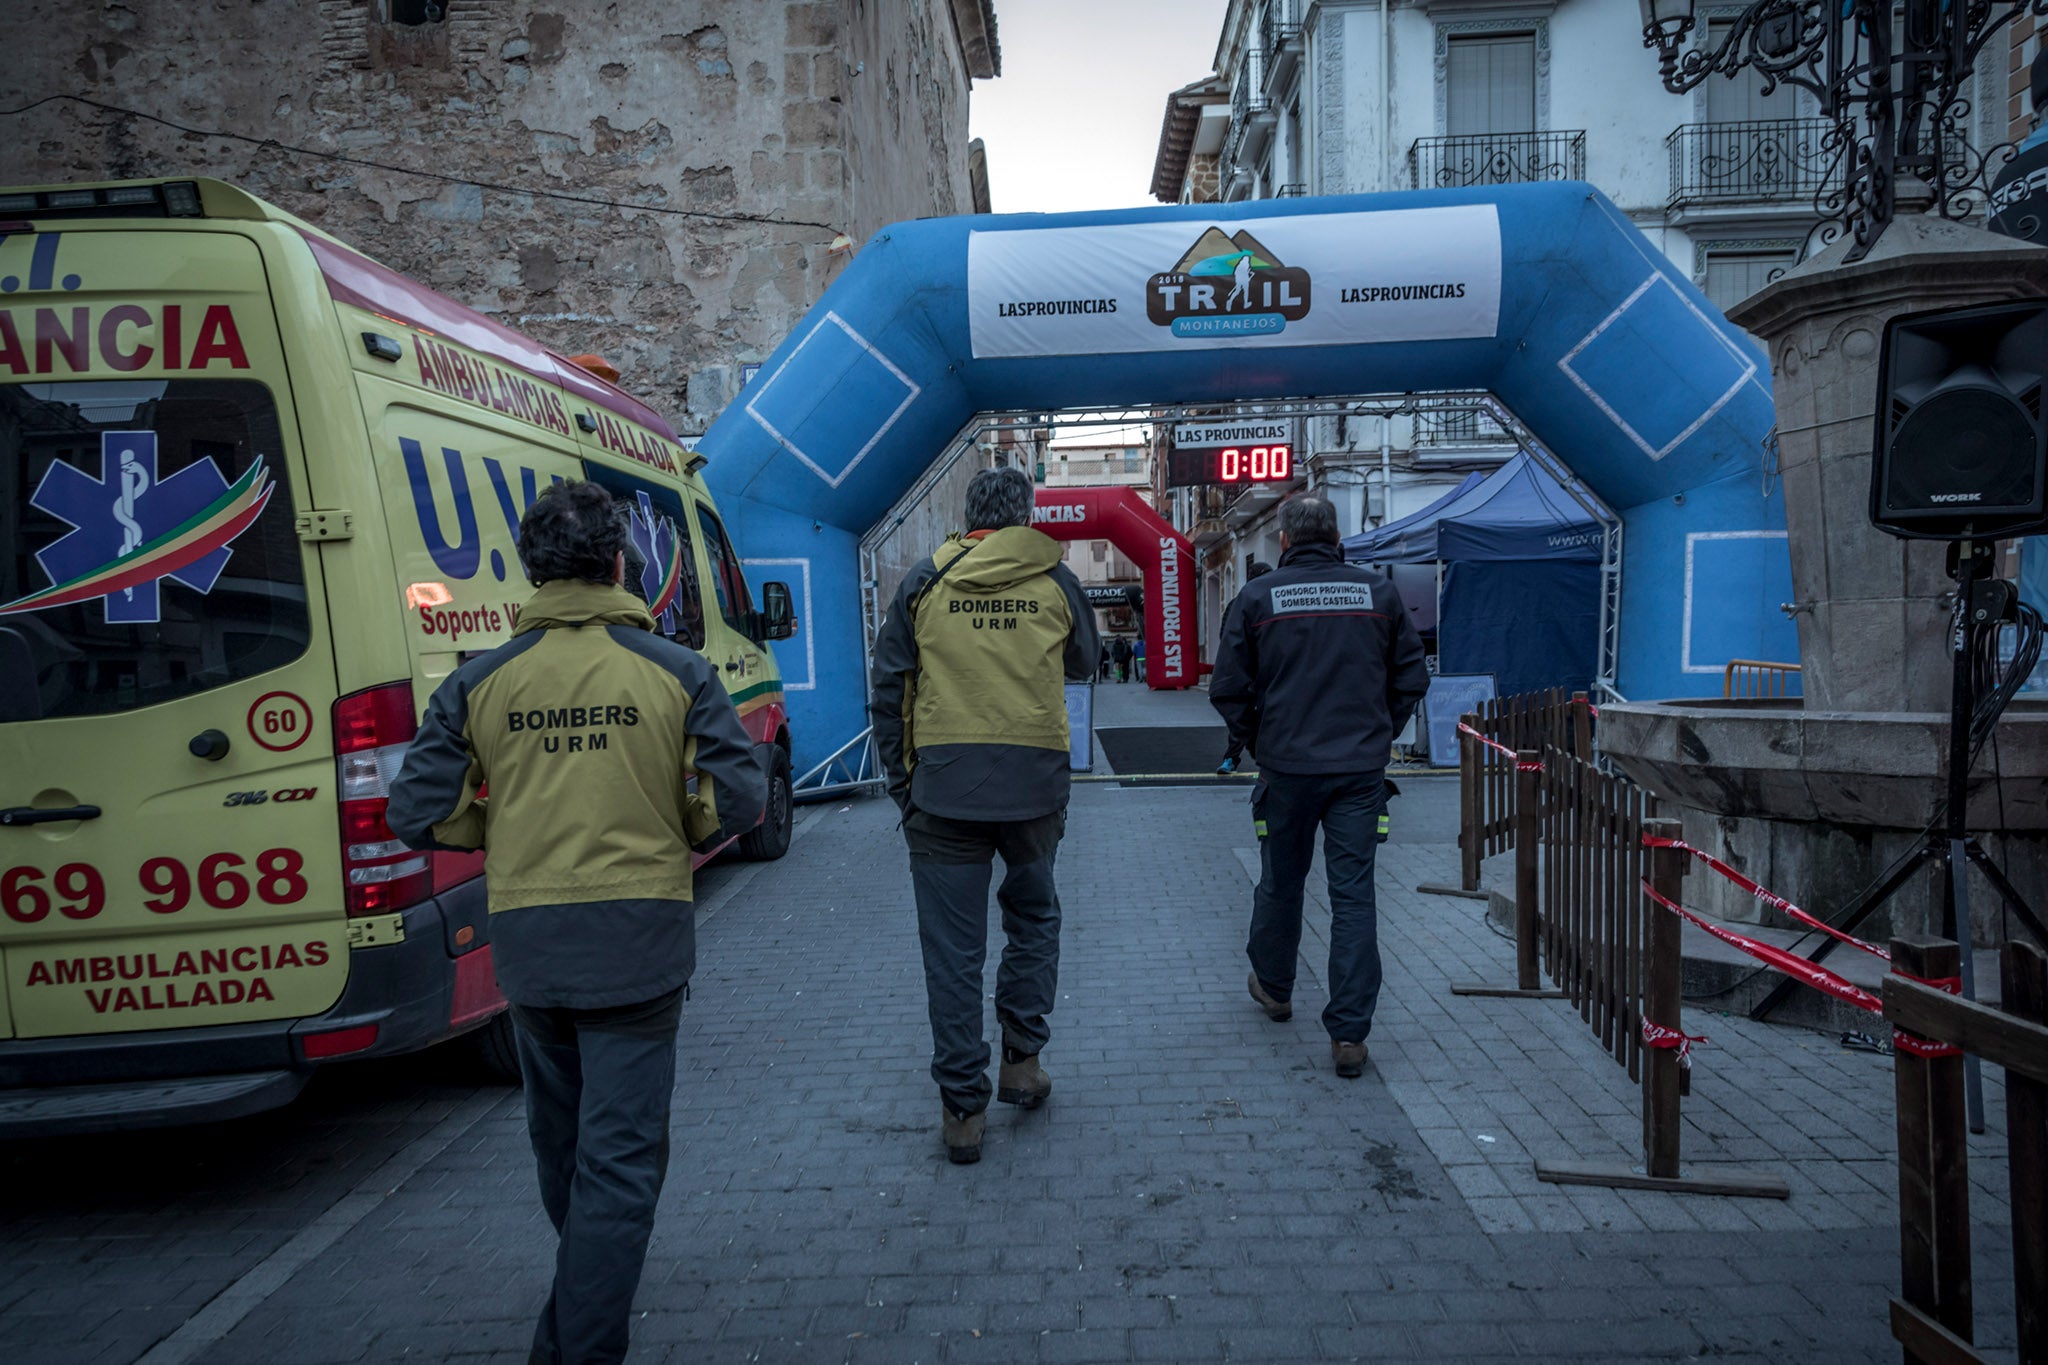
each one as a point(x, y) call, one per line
point(127, 506)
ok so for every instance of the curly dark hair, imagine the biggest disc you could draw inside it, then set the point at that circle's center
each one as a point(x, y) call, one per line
point(573, 530)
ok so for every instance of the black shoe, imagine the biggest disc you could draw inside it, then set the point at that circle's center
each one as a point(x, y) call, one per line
point(1279, 1011)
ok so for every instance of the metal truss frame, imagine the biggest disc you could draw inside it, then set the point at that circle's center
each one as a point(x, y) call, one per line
point(874, 599)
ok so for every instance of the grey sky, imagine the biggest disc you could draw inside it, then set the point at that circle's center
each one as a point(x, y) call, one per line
point(1073, 121)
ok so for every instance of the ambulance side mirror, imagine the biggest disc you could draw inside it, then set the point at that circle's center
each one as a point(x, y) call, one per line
point(778, 612)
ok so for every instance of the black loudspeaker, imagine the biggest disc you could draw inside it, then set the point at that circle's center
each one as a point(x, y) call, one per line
point(1962, 453)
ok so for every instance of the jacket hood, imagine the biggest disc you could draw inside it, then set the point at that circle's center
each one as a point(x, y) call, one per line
point(999, 560)
point(570, 602)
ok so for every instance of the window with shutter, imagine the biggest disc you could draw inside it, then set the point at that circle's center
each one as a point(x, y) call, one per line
point(1740, 98)
point(1490, 84)
point(1733, 276)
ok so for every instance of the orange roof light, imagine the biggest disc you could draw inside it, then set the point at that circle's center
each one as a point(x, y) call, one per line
point(598, 366)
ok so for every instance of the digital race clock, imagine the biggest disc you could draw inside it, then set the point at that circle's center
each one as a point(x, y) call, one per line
point(1230, 465)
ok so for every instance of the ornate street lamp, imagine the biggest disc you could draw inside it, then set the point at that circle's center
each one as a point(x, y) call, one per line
point(1900, 71)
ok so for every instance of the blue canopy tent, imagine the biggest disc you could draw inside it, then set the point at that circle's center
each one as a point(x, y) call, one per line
point(1521, 582)
point(1417, 583)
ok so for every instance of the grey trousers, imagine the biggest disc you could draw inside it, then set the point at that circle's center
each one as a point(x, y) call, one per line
point(1287, 810)
point(951, 862)
point(598, 1086)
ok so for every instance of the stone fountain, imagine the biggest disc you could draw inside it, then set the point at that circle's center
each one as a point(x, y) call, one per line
point(1815, 797)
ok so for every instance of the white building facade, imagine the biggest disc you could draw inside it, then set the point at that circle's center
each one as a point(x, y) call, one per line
point(1327, 97)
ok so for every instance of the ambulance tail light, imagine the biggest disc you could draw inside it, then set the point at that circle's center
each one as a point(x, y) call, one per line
point(379, 874)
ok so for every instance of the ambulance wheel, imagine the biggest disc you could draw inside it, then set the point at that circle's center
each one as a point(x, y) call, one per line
point(770, 839)
point(497, 1054)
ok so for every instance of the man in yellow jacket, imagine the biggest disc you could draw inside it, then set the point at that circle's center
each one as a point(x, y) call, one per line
point(586, 728)
point(970, 719)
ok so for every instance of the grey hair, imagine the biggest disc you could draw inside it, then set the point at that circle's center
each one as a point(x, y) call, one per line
point(573, 530)
point(1306, 519)
point(999, 497)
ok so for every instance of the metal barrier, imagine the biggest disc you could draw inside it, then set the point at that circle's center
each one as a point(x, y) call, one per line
point(853, 767)
point(1756, 678)
point(1932, 1029)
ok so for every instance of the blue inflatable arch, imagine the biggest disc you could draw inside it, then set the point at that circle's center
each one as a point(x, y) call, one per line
point(1544, 294)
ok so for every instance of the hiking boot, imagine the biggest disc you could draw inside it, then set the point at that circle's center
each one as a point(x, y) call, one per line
point(962, 1134)
point(1349, 1057)
point(1022, 1081)
point(1279, 1011)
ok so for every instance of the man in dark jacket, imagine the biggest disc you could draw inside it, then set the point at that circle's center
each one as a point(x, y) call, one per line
point(970, 716)
point(586, 727)
point(1320, 668)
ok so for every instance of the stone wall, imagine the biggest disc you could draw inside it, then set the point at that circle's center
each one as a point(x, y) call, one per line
point(782, 123)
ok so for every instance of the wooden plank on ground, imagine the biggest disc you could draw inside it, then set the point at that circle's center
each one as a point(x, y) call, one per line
point(1698, 1180)
point(1927, 1340)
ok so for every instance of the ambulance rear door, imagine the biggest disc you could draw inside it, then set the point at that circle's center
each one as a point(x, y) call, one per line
point(169, 845)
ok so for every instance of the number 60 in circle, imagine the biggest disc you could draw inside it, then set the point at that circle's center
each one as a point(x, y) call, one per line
point(280, 720)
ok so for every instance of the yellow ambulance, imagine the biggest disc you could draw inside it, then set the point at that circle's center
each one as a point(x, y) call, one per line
point(258, 495)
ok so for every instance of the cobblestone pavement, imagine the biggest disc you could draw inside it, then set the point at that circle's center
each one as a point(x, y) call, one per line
point(1200, 1187)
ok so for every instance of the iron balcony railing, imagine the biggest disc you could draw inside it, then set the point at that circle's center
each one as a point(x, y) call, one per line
point(1248, 98)
point(1764, 161)
point(1443, 163)
point(1282, 24)
point(1458, 427)
point(1293, 189)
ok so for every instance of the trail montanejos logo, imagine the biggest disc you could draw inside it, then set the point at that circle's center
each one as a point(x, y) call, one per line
point(1225, 287)
point(131, 530)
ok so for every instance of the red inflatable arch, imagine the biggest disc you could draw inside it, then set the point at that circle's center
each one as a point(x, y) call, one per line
point(1124, 519)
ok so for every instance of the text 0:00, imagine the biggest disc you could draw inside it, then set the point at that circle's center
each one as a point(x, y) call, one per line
point(77, 891)
point(1259, 463)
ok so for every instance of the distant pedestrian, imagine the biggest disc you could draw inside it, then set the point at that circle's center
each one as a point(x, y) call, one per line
point(1319, 669)
point(587, 865)
point(1233, 752)
point(1120, 654)
point(1104, 652)
point(970, 720)
point(1138, 657)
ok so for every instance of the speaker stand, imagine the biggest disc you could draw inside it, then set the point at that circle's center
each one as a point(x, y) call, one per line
point(1952, 845)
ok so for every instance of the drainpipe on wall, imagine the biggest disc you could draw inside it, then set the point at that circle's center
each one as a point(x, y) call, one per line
point(1386, 462)
point(1386, 107)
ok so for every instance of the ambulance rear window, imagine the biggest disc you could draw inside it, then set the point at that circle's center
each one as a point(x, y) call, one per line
point(147, 550)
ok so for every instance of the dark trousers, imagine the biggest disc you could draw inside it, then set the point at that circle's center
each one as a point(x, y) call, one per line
point(1287, 809)
point(950, 865)
point(598, 1085)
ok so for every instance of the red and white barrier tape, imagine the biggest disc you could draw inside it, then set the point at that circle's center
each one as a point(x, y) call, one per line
point(1793, 965)
point(1929, 1047)
point(1488, 740)
point(1656, 1035)
point(1522, 765)
point(1768, 897)
point(1816, 976)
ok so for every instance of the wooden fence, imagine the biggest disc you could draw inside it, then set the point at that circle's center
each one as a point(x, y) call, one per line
point(1581, 865)
point(1593, 916)
point(1553, 719)
point(1931, 1318)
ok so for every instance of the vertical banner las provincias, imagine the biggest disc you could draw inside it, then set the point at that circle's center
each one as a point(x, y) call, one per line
point(1310, 280)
